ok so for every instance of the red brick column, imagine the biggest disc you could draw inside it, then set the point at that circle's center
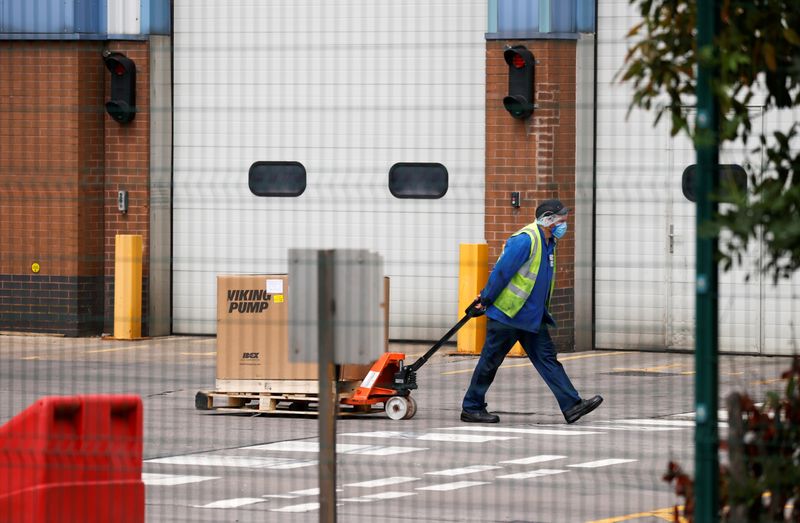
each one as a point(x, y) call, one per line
point(536, 157)
point(127, 167)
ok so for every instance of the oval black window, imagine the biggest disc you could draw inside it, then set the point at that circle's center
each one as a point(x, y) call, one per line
point(418, 180)
point(277, 178)
point(731, 177)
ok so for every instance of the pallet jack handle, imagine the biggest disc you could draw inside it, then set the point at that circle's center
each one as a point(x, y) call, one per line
point(470, 312)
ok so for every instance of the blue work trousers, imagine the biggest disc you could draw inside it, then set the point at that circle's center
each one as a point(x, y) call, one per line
point(500, 338)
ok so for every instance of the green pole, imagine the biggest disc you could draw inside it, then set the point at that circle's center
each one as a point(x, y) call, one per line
point(706, 180)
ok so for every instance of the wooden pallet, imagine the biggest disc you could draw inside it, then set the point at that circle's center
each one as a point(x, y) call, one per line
point(298, 399)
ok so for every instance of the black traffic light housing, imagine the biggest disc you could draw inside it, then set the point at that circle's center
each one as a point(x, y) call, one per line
point(521, 65)
point(122, 105)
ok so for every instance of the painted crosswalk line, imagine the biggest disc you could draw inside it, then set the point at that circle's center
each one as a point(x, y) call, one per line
point(383, 482)
point(472, 469)
point(662, 422)
point(533, 474)
point(431, 436)
point(379, 496)
point(445, 487)
point(517, 430)
point(341, 448)
point(532, 459)
point(601, 463)
point(303, 507)
point(308, 492)
point(634, 427)
point(150, 479)
point(255, 462)
point(232, 503)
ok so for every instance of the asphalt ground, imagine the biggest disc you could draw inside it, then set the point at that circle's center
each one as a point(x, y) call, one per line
point(531, 467)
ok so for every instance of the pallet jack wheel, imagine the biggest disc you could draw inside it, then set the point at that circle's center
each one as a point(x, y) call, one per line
point(412, 408)
point(398, 407)
point(201, 401)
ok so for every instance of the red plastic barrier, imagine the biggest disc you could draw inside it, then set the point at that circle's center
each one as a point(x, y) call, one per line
point(74, 459)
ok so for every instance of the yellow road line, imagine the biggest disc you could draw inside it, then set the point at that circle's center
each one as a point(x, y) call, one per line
point(131, 347)
point(660, 513)
point(767, 382)
point(214, 353)
point(650, 369)
point(528, 364)
point(31, 358)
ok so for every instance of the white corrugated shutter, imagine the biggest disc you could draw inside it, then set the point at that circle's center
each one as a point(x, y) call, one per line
point(348, 90)
point(645, 230)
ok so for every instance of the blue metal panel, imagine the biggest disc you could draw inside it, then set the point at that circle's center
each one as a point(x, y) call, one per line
point(585, 16)
point(50, 16)
point(87, 16)
point(562, 16)
point(155, 17)
point(559, 18)
point(492, 16)
point(517, 15)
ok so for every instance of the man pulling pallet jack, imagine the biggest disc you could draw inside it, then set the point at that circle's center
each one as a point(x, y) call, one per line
point(516, 301)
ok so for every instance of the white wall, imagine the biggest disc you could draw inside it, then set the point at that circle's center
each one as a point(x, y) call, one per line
point(645, 230)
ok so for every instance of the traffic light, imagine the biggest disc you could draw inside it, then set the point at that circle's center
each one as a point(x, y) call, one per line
point(122, 105)
point(521, 64)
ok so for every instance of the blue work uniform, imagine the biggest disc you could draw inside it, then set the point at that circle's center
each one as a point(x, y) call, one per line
point(529, 326)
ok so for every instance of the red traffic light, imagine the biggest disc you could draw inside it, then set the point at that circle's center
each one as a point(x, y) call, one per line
point(518, 57)
point(122, 105)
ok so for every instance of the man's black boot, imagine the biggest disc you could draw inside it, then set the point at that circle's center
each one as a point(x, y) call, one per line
point(480, 416)
point(582, 408)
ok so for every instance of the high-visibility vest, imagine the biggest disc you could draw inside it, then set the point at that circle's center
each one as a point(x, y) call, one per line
point(513, 297)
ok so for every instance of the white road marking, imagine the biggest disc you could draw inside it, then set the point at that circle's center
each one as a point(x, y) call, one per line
point(633, 428)
point(455, 438)
point(232, 503)
point(512, 430)
point(721, 414)
point(382, 482)
point(303, 446)
point(663, 422)
point(472, 469)
point(601, 463)
point(533, 459)
point(205, 460)
point(533, 474)
point(309, 492)
point(341, 448)
point(385, 495)
point(303, 507)
point(172, 479)
point(280, 496)
point(454, 486)
point(655, 422)
point(464, 438)
point(388, 451)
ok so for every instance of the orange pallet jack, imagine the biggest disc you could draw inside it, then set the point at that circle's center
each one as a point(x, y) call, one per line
point(390, 381)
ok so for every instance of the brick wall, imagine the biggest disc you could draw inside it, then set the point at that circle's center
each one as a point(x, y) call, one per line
point(127, 167)
point(60, 161)
point(536, 157)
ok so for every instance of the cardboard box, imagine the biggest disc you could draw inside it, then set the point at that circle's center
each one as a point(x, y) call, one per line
point(253, 331)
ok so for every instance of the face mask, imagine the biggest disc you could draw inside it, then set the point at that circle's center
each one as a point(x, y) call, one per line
point(560, 230)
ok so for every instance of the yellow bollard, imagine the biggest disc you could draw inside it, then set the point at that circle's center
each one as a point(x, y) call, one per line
point(516, 351)
point(128, 286)
point(473, 272)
